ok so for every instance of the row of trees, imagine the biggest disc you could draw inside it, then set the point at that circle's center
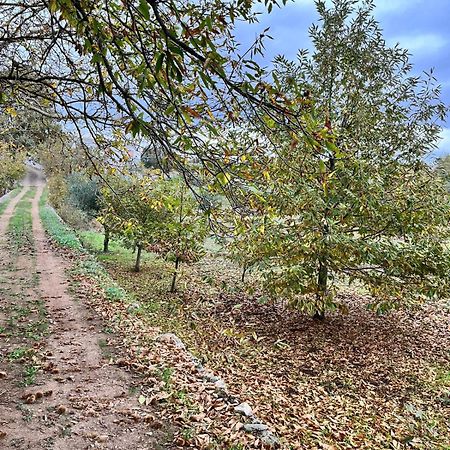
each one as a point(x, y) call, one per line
point(321, 161)
point(152, 213)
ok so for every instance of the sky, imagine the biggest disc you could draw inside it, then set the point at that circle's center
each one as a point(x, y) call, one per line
point(422, 27)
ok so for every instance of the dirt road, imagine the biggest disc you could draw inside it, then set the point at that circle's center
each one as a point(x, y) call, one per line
point(58, 389)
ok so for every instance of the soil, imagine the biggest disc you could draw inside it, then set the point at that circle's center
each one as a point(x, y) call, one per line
point(58, 386)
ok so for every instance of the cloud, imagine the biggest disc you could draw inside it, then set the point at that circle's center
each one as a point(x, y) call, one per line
point(422, 43)
point(444, 144)
point(388, 6)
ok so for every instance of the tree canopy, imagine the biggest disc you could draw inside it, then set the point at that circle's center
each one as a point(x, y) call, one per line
point(171, 72)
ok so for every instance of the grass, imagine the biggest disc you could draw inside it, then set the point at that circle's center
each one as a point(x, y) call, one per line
point(20, 228)
point(56, 228)
point(93, 241)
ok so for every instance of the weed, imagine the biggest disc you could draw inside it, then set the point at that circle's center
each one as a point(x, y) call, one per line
point(114, 293)
point(133, 390)
point(166, 376)
point(36, 330)
point(188, 434)
point(66, 431)
point(27, 414)
point(19, 353)
point(103, 344)
point(29, 375)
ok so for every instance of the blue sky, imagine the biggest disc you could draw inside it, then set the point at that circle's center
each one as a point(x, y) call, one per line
point(422, 27)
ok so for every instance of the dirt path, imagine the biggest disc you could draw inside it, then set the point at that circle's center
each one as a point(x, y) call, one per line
point(75, 399)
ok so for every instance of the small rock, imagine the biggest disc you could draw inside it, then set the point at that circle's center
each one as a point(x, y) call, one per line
point(208, 376)
point(269, 439)
point(101, 438)
point(244, 409)
point(133, 307)
point(2, 375)
point(170, 338)
point(220, 385)
point(255, 427)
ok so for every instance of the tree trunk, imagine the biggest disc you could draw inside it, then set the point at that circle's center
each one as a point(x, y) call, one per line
point(322, 285)
point(137, 266)
point(174, 278)
point(106, 240)
point(244, 270)
point(134, 248)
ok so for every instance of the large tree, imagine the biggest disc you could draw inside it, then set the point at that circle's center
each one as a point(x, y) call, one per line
point(354, 201)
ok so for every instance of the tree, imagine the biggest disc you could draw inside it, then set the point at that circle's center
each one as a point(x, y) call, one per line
point(156, 214)
point(354, 200)
point(12, 167)
point(84, 193)
point(128, 213)
point(182, 229)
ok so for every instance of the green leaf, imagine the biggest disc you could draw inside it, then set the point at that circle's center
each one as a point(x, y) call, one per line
point(159, 62)
point(224, 178)
point(144, 9)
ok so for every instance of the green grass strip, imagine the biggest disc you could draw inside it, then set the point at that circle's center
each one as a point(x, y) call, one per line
point(20, 228)
point(62, 234)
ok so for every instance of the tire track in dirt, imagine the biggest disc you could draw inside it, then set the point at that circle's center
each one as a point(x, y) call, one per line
point(5, 256)
point(79, 400)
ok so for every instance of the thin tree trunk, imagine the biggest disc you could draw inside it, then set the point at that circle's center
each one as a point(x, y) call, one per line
point(106, 240)
point(322, 277)
point(137, 266)
point(174, 278)
point(134, 248)
point(244, 270)
point(322, 285)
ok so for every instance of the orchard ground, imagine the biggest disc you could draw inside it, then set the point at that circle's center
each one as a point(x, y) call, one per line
point(353, 381)
point(82, 366)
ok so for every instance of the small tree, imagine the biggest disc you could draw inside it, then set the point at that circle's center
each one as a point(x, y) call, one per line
point(12, 167)
point(128, 211)
point(181, 233)
point(84, 193)
point(158, 214)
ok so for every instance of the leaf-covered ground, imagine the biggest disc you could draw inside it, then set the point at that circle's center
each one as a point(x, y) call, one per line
point(352, 381)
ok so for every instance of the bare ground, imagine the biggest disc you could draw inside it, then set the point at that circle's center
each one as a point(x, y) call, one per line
point(58, 389)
